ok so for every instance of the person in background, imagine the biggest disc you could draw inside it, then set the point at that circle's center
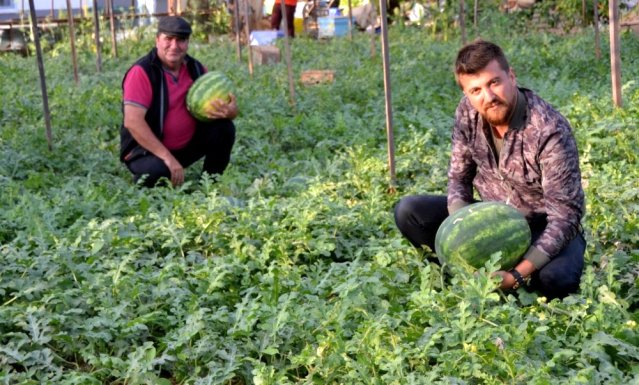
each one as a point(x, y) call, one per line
point(276, 15)
point(159, 137)
point(512, 147)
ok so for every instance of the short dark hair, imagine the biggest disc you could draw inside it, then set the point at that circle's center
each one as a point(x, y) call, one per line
point(475, 56)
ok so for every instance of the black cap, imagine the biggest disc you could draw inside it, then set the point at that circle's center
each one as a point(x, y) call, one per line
point(174, 26)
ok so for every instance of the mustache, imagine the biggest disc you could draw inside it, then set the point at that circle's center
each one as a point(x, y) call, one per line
point(495, 103)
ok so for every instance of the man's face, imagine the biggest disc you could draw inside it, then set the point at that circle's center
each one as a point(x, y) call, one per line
point(492, 92)
point(171, 49)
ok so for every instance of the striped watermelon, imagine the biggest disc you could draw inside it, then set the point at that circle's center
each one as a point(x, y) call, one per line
point(208, 87)
point(473, 233)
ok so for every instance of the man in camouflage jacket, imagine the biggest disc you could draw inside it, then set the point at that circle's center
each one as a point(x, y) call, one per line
point(512, 147)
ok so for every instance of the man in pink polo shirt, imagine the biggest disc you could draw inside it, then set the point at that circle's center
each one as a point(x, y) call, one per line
point(159, 137)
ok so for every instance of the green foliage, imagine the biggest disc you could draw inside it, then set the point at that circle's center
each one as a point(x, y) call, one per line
point(289, 269)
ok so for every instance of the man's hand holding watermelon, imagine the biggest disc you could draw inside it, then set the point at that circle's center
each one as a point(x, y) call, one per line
point(221, 109)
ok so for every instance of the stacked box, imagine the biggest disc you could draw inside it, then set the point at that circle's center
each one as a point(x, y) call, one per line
point(265, 54)
point(332, 26)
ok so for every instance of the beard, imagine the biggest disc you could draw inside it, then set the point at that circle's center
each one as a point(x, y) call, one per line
point(498, 112)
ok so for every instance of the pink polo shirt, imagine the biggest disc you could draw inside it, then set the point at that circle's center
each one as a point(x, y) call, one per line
point(179, 125)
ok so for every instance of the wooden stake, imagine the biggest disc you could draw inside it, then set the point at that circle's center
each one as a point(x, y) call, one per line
point(462, 21)
point(114, 43)
point(258, 13)
point(287, 53)
point(373, 44)
point(475, 13)
point(43, 82)
point(350, 20)
point(387, 94)
point(74, 55)
point(236, 19)
point(247, 29)
point(597, 37)
point(98, 46)
point(615, 52)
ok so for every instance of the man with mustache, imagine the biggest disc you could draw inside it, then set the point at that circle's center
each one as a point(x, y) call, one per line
point(159, 138)
point(510, 146)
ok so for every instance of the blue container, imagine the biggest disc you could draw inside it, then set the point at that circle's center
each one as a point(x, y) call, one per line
point(332, 26)
point(264, 37)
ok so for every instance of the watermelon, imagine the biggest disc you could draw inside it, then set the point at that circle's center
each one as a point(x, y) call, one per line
point(472, 234)
point(208, 87)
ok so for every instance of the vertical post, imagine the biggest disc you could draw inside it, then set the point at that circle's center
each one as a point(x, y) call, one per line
point(350, 20)
point(114, 43)
point(247, 30)
point(98, 46)
point(43, 82)
point(287, 52)
point(596, 24)
point(462, 21)
point(475, 13)
point(615, 52)
point(74, 56)
point(373, 47)
point(236, 20)
point(387, 94)
point(259, 12)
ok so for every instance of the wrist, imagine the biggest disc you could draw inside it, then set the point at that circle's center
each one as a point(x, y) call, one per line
point(519, 279)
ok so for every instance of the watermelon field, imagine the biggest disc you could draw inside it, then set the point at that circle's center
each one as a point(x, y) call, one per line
point(289, 268)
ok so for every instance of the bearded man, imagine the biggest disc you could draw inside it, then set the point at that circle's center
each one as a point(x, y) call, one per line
point(513, 147)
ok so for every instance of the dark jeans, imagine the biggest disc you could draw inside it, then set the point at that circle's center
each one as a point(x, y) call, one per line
point(213, 141)
point(276, 18)
point(418, 218)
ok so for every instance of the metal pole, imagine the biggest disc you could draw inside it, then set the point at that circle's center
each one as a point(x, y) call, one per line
point(43, 82)
point(74, 56)
point(387, 94)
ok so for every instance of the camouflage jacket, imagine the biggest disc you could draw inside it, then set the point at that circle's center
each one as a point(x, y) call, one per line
point(537, 170)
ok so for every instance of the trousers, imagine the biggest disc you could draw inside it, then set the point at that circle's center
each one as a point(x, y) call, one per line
point(276, 18)
point(212, 140)
point(418, 218)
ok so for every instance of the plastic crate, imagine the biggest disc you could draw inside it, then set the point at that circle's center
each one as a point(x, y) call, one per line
point(332, 26)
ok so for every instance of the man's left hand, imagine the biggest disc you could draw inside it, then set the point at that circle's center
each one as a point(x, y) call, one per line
point(507, 279)
point(525, 268)
point(224, 110)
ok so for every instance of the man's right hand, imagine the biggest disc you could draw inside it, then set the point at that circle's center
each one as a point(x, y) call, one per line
point(136, 124)
point(176, 169)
